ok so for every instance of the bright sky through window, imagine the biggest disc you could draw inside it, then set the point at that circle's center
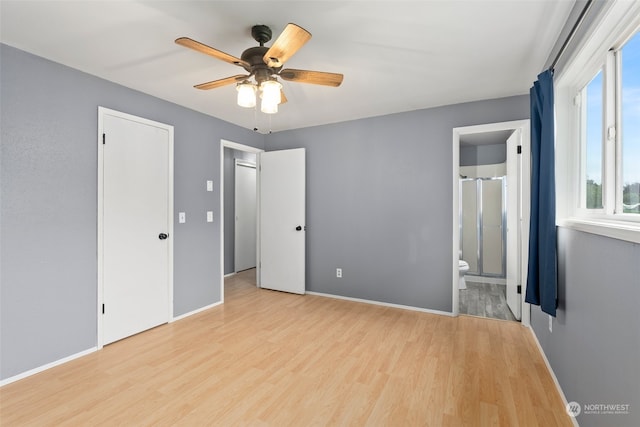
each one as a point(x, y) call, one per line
point(631, 111)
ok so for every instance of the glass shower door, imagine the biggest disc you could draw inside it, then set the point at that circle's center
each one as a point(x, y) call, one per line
point(492, 235)
point(469, 223)
point(482, 225)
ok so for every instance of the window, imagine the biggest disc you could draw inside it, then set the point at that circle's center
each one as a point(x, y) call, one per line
point(630, 124)
point(591, 97)
point(610, 133)
point(597, 100)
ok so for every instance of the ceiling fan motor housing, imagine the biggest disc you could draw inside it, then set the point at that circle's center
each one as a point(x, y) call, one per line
point(254, 57)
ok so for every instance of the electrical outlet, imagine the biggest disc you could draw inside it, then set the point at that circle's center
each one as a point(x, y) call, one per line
point(550, 323)
point(209, 185)
point(209, 216)
point(338, 272)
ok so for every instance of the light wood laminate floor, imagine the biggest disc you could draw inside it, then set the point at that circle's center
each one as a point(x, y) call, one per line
point(270, 358)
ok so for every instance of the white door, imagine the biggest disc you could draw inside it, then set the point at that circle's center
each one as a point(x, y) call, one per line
point(245, 221)
point(514, 217)
point(136, 223)
point(282, 220)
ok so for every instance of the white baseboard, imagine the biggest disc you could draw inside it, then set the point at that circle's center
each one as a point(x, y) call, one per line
point(385, 304)
point(191, 313)
point(553, 375)
point(89, 351)
point(229, 275)
point(47, 366)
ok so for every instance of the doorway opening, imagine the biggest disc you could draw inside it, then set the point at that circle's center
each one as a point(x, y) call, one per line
point(233, 156)
point(490, 220)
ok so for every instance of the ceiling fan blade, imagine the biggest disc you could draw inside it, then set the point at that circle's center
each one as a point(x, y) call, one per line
point(208, 50)
point(221, 82)
point(288, 42)
point(313, 77)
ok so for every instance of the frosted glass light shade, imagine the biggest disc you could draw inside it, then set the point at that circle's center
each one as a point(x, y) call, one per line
point(246, 95)
point(267, 108)
point(270, 96)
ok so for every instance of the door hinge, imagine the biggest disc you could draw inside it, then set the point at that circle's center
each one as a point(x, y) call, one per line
point(102, 308)
point(519, 149)
point(104, 138)
point(519, 289)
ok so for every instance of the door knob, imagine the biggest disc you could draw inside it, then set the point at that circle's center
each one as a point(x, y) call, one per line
point(298, 228)
point(162, 236)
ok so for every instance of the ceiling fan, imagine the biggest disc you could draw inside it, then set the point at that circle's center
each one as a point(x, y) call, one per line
point(265, 64)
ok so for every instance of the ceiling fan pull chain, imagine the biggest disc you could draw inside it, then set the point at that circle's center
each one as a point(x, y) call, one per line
point(255, 119)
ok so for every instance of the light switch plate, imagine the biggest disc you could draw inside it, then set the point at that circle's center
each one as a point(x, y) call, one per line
point(182, 217)
point(209, 185)
point(209, 216)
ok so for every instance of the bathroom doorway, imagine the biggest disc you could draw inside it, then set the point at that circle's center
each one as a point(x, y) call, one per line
point(491, 197)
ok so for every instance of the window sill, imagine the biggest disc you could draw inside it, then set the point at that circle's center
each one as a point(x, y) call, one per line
point(621, 230)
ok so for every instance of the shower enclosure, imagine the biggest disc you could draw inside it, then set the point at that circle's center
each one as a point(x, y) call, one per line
point(483, 218)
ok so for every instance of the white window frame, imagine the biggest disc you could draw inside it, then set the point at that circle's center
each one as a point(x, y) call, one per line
point(611, 29)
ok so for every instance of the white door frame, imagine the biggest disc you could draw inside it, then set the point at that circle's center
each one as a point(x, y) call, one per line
point(523, 125)
point(102, 111)
point(248, 149)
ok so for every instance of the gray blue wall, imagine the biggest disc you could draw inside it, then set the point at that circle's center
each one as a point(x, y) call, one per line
point(594, 348)
point(379, 201)
point(476, 155)
point(48, 267)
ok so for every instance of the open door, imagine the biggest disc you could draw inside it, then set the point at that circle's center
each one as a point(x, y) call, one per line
point(514, 221)
point(282, 220)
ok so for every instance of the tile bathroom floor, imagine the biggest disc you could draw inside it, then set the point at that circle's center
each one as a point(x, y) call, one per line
point(485, 300)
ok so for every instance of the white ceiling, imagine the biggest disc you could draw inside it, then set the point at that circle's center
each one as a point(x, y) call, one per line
point(396, 55)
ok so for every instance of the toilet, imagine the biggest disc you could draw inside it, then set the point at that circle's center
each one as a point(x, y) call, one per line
point(463, 268)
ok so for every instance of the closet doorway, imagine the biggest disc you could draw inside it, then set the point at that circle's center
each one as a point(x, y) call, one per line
point(231, 155)
point(245, 215)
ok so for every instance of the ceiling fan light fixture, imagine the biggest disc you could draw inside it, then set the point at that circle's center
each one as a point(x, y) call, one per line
point(264, 65)
point(270, 96)
point(246, 94)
